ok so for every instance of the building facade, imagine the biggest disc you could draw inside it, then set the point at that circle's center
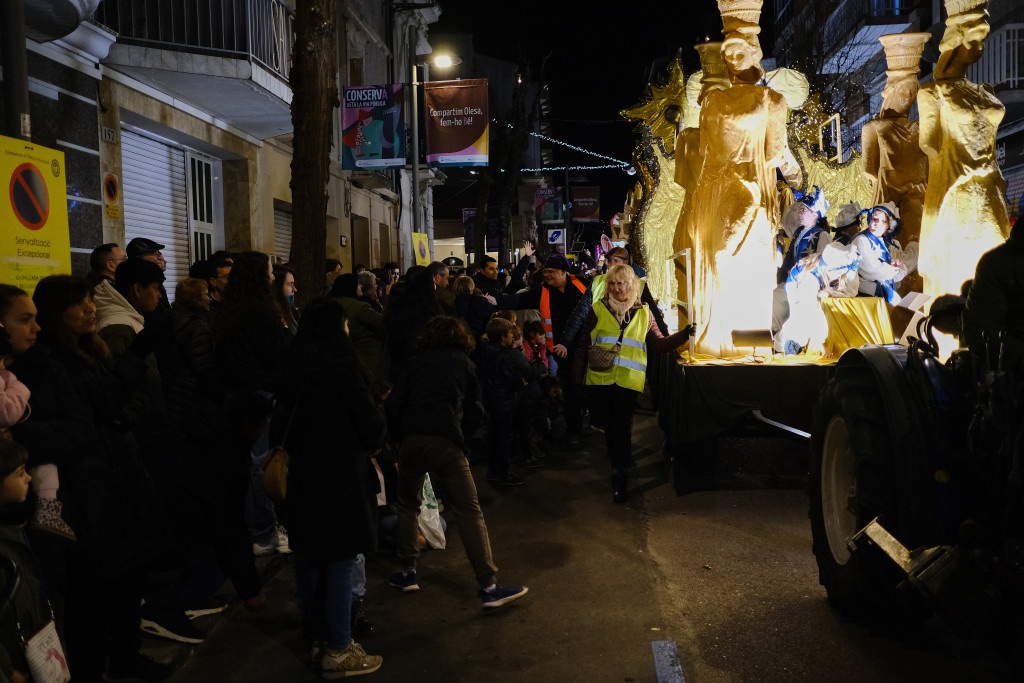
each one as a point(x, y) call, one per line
point(836, 43)
point(174, 118)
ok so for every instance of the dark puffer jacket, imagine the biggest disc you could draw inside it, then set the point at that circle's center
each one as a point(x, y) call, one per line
point(438, 394)
point(188, 373)
point(28, 609)
point(505, 377)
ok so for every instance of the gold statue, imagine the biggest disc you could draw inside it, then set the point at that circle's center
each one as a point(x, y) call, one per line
point(712, 76)
point(893, 159)
point(735, 202)
point(662, 110)
point(659, 117)
point(634, 197)
point(964, 206)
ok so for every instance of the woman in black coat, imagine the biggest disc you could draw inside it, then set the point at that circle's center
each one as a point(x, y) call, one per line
point(111, 501)
point(330, 422)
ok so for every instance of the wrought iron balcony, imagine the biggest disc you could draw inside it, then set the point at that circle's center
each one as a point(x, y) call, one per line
point(852, 31)
point(210, 53)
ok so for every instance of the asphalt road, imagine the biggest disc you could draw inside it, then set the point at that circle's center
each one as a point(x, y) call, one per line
point(723, 578)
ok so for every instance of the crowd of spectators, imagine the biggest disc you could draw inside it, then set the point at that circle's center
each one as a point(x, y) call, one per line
point(139, 427)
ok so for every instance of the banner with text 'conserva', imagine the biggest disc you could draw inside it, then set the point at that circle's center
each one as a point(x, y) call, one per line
point(373, 127)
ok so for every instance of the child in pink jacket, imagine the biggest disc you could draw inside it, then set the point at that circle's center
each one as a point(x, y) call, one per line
point(13, 401)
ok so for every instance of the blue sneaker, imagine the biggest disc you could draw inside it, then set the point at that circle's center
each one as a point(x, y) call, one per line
point(501, 595)
point(404, 581)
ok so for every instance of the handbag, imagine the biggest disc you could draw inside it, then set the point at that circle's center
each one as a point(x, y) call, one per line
point(602, 357)
point(275, 467)
point(43, 651)
point(45, 656)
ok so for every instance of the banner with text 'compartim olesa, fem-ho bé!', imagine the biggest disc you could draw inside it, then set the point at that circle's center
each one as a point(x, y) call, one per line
point(456, 122)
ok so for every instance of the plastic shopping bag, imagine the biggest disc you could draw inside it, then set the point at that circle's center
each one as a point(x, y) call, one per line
point(431, 524)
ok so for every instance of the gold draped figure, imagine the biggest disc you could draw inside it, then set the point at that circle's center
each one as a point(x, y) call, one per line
point(893, 159)
point(712, 76)
point(964, 207)
point(735, 206)
point(659, 117)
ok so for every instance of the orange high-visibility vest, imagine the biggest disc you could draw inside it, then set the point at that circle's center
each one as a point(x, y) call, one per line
point(545, 311)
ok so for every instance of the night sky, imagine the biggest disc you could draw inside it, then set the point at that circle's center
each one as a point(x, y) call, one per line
point(601, 60)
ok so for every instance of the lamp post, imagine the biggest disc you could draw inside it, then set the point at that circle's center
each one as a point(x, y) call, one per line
point(440, 61)
point(415, 151)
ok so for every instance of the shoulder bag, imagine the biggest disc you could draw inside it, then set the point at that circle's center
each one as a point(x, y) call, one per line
point(275, 466)
point(43, 651)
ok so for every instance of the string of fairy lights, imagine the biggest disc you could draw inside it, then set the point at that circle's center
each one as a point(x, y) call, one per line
point(621, 165)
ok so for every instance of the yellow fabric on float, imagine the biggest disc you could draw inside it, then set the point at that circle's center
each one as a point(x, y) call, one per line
point(856, 321)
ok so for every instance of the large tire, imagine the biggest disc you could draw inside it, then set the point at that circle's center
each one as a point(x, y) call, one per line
point(861, 468)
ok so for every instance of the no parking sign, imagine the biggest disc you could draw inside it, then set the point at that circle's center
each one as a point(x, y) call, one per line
point(34, 241)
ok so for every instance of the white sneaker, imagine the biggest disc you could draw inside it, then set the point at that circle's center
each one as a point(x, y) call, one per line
point(264, 549)
point(352, 661)
point(282, 540)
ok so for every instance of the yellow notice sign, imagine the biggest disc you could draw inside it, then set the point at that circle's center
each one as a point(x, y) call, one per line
point(34, 240)
point(421, 247)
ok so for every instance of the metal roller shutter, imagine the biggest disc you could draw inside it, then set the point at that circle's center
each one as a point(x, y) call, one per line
point(155, 200)
point(282, 235)
point(1015, 190)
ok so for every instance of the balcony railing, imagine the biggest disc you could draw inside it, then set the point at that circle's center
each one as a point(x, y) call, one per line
point(1002, 62)
point(852, 14)
point(253, 30)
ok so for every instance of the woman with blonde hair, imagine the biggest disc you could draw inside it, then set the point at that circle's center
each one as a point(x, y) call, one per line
point(611, 359)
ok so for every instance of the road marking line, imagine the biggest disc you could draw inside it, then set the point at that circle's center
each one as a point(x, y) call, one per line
point(666, 662)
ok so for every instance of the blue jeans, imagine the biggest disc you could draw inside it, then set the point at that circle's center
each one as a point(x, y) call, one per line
point(359, 577)
point(259, 510)
point(324, 594)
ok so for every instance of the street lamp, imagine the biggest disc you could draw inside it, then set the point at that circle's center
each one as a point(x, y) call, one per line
point(440, 61)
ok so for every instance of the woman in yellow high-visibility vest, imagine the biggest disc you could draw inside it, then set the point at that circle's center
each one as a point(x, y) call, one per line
point(620, 323)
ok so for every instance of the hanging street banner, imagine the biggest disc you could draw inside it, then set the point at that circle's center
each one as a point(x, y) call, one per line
point(586, 203)
point(34, 241)
point(456, 123)
point(421, 247)
point(469, 229)
point(547, 205)
point(373, 127)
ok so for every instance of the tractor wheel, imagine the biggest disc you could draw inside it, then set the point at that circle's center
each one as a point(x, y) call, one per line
point(854, 477)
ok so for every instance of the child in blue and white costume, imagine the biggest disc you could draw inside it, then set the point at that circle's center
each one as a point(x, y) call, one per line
point(804, 225)
point(832, 273)
point(883, 261)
